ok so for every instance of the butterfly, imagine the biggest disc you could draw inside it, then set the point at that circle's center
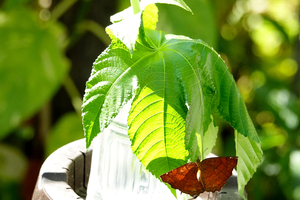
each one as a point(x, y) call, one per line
point(209, 175)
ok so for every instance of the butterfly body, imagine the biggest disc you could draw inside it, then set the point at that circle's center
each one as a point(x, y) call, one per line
point(208, 175)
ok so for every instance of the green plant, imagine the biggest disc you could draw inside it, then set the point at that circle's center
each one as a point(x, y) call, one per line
point(21, 77)
point(177, 86)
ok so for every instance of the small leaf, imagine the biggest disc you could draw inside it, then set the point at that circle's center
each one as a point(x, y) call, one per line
point(250, 156)
point(150, 16)
point(126, 25)
point(126, 30)
point(143, 4)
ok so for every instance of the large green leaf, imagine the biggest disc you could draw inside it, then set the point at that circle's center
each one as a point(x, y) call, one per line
point(32, 65)
point(182, 83)
point(170, 71)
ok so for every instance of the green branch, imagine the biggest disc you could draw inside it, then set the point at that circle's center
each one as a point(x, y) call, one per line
point(74, 94)
point(135, 4)
point(61, 8)
point(95, 28)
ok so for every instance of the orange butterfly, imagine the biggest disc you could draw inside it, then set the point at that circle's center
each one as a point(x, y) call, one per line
point(195, 178)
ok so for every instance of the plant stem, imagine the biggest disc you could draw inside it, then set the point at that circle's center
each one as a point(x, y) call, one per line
point(73, 94)
point(61, 8)
point(96, 29)
point(135, 4)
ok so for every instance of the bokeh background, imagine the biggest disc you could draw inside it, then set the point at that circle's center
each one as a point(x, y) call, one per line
point(47, 48)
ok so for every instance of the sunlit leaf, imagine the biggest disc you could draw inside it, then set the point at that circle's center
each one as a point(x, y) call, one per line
point(126, 25)
point(150, 16)
point(160, 103)
point(126, 30)
point(182, 83)
point(209, 139)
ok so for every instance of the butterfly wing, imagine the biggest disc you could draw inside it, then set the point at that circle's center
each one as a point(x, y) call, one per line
point(184, 178)
point(216, 171)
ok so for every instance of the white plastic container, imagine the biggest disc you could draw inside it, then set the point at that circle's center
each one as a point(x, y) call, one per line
point(116, 172)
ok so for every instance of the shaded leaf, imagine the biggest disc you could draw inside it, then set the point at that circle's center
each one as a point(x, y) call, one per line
point(250, 156)
point(202, 24)
point(109, 87)
point(26, 83)
point(13, 163)
point(10, 5)
point(190, 59)
point(229, 101)
point(66, 130)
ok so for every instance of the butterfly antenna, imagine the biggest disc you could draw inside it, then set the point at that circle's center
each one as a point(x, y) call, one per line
point(204, 151)
point(194, 197)
point(202, 155)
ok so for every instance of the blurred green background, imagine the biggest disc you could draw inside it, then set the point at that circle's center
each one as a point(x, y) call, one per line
point(47, 48)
